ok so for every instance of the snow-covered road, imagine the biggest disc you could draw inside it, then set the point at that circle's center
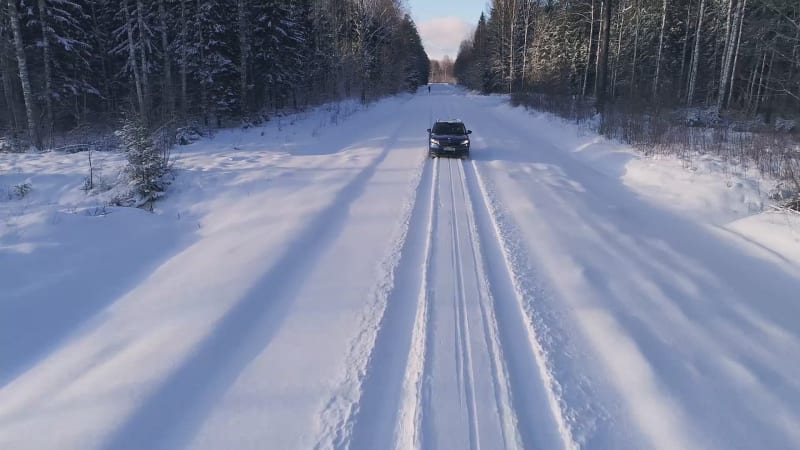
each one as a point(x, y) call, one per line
point(331, 287)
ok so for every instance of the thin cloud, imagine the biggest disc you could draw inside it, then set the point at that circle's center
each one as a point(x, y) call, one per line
point(443, 35)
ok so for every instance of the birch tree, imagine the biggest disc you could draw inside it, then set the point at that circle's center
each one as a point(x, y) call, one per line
point(660, 47)
point(588, 51)
point(695, 55)
point(128, 42)
point(167, 93)
point(48, 70)
point(606, 38)
point(22, 65)
point(7, 72)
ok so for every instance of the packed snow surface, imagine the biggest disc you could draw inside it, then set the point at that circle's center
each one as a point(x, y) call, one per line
point(311, 284)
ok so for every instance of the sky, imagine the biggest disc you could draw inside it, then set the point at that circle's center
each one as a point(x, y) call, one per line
point(443, 24)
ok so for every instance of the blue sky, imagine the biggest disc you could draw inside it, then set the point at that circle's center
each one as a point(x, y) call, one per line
point(443, 24)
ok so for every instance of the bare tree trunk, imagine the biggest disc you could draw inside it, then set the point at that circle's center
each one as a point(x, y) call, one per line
point(109, 101)
point(81, 98)
point(184, 45)
point(22, 64)
point(7, 91)
point(511, 50)
point(599, 49)
point(635, 48)
point(601, 98)
point(760, 82)
point(795, 54)
point(137, 79)
point(6, 73)
point(201, 56)
point(695, 55)
point(148, 99)
point(620, 31)
point(660, 47)
point(794, 65)
point(741, 14)
point(244, 50)
point(168, 95)
point(685, 47)
point(752, 83)
point(588, 52)
point(525, 42)
point(48, 75)
point(766, 94)
point(727, 58)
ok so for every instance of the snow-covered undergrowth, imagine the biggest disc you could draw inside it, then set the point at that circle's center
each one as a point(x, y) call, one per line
point(738, 202)
point(56, 232)
point(704, 187)
point(733, 144)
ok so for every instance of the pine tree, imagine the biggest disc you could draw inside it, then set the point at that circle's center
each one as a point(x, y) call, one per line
point(13, 115)
point(214, 67)
point(146, 164)
point(64, 63)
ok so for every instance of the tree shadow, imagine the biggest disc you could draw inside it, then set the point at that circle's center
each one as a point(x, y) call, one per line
point(175, 411)
point(46, 296)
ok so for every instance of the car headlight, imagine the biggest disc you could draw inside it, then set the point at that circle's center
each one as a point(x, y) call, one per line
point(434, 142)
point(465, 142)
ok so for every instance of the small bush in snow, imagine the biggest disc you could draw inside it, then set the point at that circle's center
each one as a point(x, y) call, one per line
point(741, 144)
point(147, 163)
point(19, 191)
point(96, 185)
point(97, 211)
point(122, 199)
point(12, 145)
point(785, 125)
point(185, 135)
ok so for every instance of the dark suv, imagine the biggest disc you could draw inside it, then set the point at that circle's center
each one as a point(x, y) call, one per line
point(448, 138)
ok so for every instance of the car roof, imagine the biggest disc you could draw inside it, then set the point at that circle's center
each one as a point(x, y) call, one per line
point(449, 121)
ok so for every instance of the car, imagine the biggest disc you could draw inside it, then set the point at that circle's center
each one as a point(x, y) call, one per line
point(448, 138)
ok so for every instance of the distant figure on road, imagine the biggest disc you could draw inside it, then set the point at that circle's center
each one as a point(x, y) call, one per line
point(429, 88)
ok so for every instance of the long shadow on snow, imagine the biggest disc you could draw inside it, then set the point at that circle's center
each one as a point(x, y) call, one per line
point(372, 423)
point(718, 293)
point(627, 232)
point(52, 279)
point(175, 411)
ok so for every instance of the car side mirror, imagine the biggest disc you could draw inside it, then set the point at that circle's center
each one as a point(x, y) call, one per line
point(469, 131)
point(429, 130)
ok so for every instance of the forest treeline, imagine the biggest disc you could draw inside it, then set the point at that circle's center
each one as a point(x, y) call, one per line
point(71, 63)
point(725, 55)
point(442, 70)
point(683, 77)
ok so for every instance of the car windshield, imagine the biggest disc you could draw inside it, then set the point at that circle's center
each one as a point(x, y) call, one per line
point(449, 128)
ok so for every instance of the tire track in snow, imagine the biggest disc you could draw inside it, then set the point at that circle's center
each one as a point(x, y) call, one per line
point(464, 361)
point(591, 416)
point(537, 404)
point(415, 389)
point(359, 414)
point(381, 355)
point(466, 402)
point(502, 394)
